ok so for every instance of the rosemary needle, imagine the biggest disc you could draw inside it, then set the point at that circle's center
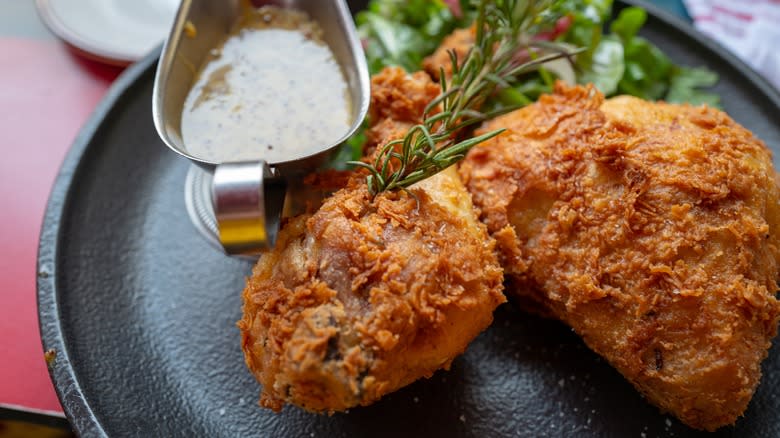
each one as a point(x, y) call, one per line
point(504, 29)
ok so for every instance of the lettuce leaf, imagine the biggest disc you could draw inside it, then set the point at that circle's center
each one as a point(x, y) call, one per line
point(686, 84)
point(650, 74)
point(403, 32)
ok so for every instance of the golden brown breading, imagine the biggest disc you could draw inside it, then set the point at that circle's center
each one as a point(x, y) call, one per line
point(397, 103)
point(460, 41)
point(370, 294)
point(651, 229)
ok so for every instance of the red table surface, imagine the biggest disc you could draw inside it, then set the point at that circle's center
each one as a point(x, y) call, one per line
point(46, 94)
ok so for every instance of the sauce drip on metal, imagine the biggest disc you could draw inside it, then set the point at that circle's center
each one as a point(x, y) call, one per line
point(273, 90)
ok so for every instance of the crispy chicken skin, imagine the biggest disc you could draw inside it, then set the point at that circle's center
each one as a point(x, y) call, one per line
point(398, 100)
point(460, 41)
point(651, 229)
point(370, 294)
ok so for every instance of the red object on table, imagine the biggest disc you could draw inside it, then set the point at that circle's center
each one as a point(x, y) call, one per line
point(46, 94)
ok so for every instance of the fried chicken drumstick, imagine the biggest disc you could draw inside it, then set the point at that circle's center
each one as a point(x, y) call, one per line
point(369, 294)
point(651, 229)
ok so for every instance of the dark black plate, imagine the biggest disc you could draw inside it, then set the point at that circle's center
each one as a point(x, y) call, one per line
point(141, 310)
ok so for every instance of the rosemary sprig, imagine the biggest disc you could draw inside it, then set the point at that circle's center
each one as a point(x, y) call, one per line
point(504, 30)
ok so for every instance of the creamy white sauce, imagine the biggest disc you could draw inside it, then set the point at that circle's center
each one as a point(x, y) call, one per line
point(270, 94)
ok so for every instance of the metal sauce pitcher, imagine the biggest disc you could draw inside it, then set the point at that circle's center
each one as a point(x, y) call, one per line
point(248, 197)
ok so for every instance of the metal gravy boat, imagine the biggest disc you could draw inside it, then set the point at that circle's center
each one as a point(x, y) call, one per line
point(248, 197)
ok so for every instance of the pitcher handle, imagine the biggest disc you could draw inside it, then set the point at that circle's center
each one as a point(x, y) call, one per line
point(248, 198)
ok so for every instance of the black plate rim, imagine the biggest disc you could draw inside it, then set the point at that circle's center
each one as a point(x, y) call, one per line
point(70, 393)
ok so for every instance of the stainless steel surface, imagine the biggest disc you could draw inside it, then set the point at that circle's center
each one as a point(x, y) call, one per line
point(197, 199)
point(248, 202)
point(237, 183)
point(183, 55)
point(200, 208)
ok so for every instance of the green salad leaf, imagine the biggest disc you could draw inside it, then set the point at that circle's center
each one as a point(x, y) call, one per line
point(403, 32)
point(628, 23)
point(647, 68)
point(587, 21)
point(649, 73)
point(686, 84)
point(605, 68)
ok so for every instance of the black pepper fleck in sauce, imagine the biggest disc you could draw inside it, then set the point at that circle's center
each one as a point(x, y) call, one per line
point(272, 82)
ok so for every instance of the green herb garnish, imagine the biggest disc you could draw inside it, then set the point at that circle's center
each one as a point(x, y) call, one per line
point(503, 29)
point(403, 33)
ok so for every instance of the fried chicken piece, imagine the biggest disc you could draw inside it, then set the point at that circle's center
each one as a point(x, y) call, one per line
point(398, 100)
point(369, 294)
point(651, 229)
point(460, 41)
